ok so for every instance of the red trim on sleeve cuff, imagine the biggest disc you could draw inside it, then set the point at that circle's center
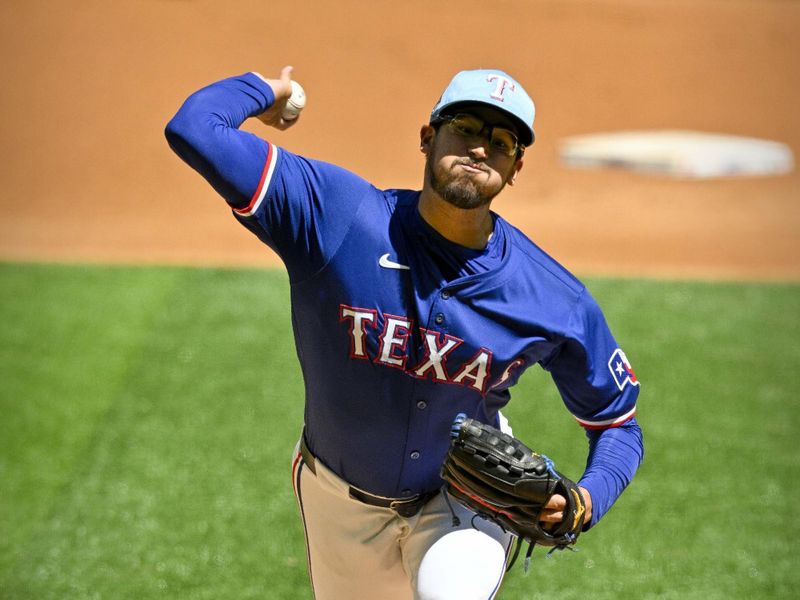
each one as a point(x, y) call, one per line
point(608, 423)
point(263, 184)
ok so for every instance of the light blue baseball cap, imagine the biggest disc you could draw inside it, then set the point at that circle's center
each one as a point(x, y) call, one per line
point(494, 88)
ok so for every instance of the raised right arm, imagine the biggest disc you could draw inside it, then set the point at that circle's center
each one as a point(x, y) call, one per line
point(300, 207)
point(205, 131)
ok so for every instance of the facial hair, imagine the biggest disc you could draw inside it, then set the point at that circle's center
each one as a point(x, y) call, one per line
point(458, 188)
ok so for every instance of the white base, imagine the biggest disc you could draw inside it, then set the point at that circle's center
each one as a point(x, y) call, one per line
point(682, 154)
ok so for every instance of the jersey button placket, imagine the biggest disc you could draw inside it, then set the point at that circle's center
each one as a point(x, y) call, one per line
point(414, 455)
point(439, 318)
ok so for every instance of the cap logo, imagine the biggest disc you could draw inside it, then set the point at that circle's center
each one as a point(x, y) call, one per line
point(500, 88)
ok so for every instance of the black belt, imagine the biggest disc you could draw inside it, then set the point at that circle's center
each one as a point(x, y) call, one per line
point(405, 507)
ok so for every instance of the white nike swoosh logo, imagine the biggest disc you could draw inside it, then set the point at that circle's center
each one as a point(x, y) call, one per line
point(388, 264)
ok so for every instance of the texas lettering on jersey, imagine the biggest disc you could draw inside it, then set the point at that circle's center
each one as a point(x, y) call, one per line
point(392, 351)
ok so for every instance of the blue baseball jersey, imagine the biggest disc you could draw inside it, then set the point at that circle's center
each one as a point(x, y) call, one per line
point(397, 329)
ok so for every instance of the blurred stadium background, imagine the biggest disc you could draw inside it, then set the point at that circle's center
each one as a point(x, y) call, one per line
point(90, 86)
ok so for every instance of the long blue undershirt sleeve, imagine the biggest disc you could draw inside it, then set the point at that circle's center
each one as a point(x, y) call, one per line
point(205, 134)
point(614, 456)
point(300, 207)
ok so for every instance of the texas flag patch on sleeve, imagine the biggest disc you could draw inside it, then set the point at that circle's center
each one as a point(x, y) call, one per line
point(621, 370)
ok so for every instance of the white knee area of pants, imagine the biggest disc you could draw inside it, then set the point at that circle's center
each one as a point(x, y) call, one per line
point(463, 565)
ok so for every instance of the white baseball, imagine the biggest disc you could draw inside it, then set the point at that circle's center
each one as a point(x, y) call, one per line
point(295, 103)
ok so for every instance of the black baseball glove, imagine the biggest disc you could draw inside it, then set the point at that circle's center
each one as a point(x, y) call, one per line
point(501, 479)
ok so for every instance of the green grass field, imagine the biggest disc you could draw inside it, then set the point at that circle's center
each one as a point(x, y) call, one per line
point(148, 415)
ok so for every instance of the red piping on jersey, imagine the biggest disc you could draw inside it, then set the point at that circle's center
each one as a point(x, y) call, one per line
point(257, 193)
point(622, 420)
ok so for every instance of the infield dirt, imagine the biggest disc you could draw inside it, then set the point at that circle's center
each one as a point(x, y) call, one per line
point(89, 87)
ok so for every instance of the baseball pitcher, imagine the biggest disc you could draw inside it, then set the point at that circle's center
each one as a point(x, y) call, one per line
point(414, 313)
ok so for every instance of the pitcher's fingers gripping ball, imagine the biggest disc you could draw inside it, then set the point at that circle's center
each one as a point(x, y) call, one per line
point(295, 104)
point(498, 477)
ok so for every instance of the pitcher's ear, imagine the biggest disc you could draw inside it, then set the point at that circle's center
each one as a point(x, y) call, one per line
point(512, 178)
point(426, 135)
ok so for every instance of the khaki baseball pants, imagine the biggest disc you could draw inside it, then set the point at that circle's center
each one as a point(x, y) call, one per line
point(362, 552)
